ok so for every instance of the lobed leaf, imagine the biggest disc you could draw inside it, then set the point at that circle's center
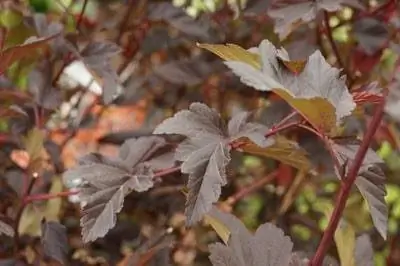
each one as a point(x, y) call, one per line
point(371, 34)
point(287, 13)
point(55, 241)
point(97, 57)
point(268, 246)
point(370, 181)
point(106, 182)
point(312, 87)
point(40, 85)
point(205, 152)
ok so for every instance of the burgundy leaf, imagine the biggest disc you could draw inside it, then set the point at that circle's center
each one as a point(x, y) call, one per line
point(364, 253)
point(268, 246)
point(372, 35)
point(6, 228)
point(60, 45)
point(55, 241)
point(206, 151)
point(187, 72)
point(106, 181)
point(40, 85)
point(287, 12)
point(178, 18)
point(370, 180)
point(97, 57)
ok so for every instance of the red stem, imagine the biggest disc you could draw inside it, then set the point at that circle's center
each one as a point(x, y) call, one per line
point(31, 198)
point(80, 18)
point(285, 119)
point(252, 187)
point(276, 130)
point(346, 187)
point(167, 171)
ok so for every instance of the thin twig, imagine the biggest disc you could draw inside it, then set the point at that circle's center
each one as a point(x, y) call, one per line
point(346, 187)
point(335, 49)
point(167, 171)
point(285, 119)
point(276, 130)
point(38, 197)
point(257, 184)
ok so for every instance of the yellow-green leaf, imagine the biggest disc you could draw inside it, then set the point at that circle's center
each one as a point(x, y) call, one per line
point(53, 206)
point(221, 229)
point(31, 220)
point(282, 150)
point(233, 52)
point(10, 18)
point(34, 143)
point(318, 111)
point(345, 242)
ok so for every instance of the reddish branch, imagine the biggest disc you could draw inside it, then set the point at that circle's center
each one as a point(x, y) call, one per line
point(252, 187)
point(167, 171)
point(81, 15)
point(37, 197)
point(276, 130)
point(346, 186)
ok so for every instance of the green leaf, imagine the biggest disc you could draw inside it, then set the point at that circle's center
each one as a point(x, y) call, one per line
point(233, 52)
point(10, 18)
point(345, 243)
point(283, 150)
point(34, 143)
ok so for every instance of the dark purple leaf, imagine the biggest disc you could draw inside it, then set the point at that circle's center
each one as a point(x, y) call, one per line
point(55, 241)
point(256, 7)
point(12, 262)
point(370, 181)
point(97, 57)
point(106, 181)
point(206, 151)
point(187, 72)
point(268, 246)
point(60, 45)
point(40, 86)
point(240, 126)
point(178, 18)
point(371, 34)
point(364, 253)
point(6, 228)
point(287, 12)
